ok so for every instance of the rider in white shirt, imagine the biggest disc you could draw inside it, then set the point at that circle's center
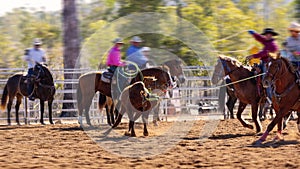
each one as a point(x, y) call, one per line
point(33, 55)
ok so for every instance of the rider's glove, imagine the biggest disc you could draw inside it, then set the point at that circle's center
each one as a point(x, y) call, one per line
point(251, 32)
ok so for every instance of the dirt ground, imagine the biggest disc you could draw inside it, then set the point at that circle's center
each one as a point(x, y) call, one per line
point(67, 146)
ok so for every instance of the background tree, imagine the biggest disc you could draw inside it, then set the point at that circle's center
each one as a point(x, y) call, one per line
point(71, 43)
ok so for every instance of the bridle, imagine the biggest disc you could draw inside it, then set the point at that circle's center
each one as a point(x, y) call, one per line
point(228, 70)
point(274, 78)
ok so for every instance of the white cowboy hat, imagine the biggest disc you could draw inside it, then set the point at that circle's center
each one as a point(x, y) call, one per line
point(136, 39)
point(145, 49)
point(118, 40)
point(37, 41)
point(294, 26)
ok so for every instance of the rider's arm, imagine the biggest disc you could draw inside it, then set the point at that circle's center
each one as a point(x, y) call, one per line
point(259, 38)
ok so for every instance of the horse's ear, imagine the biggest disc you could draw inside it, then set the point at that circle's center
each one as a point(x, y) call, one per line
point(274, 55)
point(165, 68)
point(178, 61)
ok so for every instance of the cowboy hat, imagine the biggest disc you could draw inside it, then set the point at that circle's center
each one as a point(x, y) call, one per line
point(145, 49)
point(37, 41)
point(294, 26)
point(136, 39)
point(269, 30)
point(118, 40)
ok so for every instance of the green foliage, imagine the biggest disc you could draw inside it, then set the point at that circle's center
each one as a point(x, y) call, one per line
point(223, 22)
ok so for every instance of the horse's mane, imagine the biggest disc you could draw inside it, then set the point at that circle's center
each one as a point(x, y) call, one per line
point(234, 61)
point(289, 64)
point(285, 60)
point(47, 71)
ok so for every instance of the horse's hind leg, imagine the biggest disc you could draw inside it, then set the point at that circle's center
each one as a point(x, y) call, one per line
point(9, 104)
point(111, 112)
point(230, 105)
point(241, 108)
point(17, 107)
point(255, 118)
point(156, 114)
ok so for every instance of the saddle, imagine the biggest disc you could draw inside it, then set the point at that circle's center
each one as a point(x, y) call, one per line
point(107, 76)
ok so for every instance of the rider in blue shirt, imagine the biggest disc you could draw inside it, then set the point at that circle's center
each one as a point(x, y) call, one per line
point(134, 53)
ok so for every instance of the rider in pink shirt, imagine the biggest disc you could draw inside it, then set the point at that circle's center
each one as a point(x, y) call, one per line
point(114, 56)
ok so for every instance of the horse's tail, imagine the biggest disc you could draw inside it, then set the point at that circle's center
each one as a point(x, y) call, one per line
point(4, 98)
point(101, 101)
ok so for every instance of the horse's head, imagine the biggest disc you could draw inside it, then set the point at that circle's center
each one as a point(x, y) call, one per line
point(273, 71)
point(158, 79)
point(225, 66)
point(175, 67)
point(218, 73)
point(42, 73)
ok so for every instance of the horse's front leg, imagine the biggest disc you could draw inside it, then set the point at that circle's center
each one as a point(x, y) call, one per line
point(145, 117)
point(298, 121)
point(270, 127)
point(241, 108)
point(17, 107)
point(50, 110)
point(279, 135)
point(42, 106)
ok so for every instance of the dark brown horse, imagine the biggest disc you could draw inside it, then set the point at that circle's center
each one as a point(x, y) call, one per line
point(286, 93)
point(245, 91)
point(16, 87)
point(217, 76)
point(91, 83)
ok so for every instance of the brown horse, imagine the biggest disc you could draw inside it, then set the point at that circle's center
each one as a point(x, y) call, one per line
point(286, 93)
point(136, 101)
point(245, 91)
point(91, 83)
point(17, 87)
point(175, 68)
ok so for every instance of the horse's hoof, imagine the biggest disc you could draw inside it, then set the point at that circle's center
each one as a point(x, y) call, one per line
point(146, 134)
point(132, 135)
point(250, 126)
point(127, 133)
point(257, 143)
point(18, 124)
point(278, 138)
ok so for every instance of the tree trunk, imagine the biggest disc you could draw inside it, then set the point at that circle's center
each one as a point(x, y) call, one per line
point(71, 49)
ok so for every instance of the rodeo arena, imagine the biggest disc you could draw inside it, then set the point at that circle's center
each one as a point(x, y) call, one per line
point(163, 113)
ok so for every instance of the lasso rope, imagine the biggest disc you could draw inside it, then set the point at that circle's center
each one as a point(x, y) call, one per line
point(228, 37)
point(125, 75)
point(218, 87)
point(231, 36)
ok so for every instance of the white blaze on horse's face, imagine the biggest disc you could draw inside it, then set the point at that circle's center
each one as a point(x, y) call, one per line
point(269, 64)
